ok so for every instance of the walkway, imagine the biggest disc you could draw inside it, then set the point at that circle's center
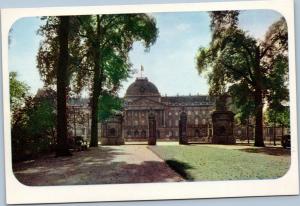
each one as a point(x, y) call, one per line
point(106, 164)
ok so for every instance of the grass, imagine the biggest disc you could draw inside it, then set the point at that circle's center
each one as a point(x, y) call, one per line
point(201, 163)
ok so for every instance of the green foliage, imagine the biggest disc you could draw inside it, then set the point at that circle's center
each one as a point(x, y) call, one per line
point(108, 40)
point(41, 118)
point(18, 92)
point(279, 116)
point(108, 106)
point(240, 65)
point(113, 36)
point(48, 53)
point(33, 131)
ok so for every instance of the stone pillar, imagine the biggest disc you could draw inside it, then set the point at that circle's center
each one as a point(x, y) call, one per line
point(222, 121)
point(112, 131)
point(183, 128)
point(152, 129)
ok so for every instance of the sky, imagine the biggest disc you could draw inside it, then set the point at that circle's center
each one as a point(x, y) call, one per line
point(170, 64)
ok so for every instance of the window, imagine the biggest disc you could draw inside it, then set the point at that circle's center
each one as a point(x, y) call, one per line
point(176, 113)
point(128, 133)
point(112, 132)
point(197, 133)
point(196, 121)
point(203, 121)
point(136, 133)
point(189, 112)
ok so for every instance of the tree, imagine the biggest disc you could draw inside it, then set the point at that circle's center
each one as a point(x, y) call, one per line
point(109, 38)
point(108, 106)
point(42, 117)
point(245, 68)
point(56, 62)
point(33, 128)
point(278, 117)
point(61, 82)
point(18, 92)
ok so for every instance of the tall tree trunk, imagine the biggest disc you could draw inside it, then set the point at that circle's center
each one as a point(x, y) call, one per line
point(94, 107)
point(274, 134)
point(247, 130)
point(97, 87)
point(63, 60)
point(259, 139)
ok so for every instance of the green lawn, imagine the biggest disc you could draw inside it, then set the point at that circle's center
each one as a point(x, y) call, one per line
point(202, 162)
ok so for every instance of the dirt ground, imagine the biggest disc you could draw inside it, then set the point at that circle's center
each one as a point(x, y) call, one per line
point(102, 165)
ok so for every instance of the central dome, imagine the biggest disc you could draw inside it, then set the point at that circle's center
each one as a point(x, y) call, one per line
point(142, 87)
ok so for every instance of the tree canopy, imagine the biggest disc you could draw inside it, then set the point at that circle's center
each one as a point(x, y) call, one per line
point(18, 91)
point(98, 53)
point(254, 73)
point(108, 40)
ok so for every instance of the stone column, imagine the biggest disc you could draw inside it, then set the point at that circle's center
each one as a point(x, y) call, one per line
point(152, 129)
point(112, 131)
point(222, 121)
point(183, 129)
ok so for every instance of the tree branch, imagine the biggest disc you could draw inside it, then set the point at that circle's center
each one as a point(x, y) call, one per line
point(239, 72)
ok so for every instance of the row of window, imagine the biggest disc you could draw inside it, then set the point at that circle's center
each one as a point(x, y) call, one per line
point(171, 122)
point(171, 133)
point(203, 112)
point(136, 133)
point(176, 113)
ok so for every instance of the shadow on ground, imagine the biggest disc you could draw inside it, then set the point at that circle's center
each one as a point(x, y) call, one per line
point(276, 151)
point(181, 168)
point(104, 165)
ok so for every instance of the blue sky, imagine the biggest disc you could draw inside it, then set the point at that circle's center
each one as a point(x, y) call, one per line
point(170, 63)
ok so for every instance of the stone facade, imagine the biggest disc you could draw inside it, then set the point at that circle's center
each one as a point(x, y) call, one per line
point(143, 97)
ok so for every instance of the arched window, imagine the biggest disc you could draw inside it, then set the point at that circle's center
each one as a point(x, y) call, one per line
point(128, 133)
point(196, 121)
point(136, 133)
point(203, 121)
point(143, 133)
point(197, 133)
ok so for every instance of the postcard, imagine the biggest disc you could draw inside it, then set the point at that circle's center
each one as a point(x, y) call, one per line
point(149, 102)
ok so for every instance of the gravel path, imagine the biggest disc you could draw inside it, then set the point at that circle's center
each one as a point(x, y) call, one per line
point(103, 165)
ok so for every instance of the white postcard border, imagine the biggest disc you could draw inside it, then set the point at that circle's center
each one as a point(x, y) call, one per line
point(17, 193)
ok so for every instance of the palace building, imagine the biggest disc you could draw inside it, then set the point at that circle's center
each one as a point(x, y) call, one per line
point(142, 98)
